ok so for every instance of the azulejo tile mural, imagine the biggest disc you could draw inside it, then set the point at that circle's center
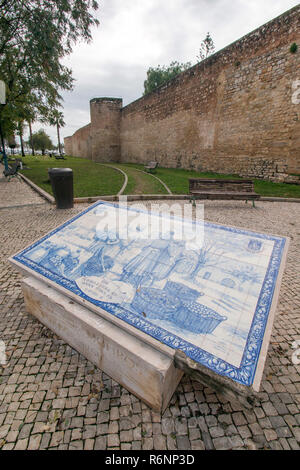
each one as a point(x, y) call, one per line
point(203, 288)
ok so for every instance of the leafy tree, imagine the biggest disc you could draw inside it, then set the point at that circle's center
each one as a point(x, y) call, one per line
point(35, 37)
point(41, 141)
point(157, 76)
point(29, 20)
point(207, 48)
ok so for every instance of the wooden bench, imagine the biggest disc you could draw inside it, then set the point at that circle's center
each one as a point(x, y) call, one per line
point(202, 188)
point(151, 167)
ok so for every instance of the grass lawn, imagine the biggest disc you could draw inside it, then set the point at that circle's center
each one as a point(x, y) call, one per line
point(177, 180)
point(90, 178)
point(94, 179)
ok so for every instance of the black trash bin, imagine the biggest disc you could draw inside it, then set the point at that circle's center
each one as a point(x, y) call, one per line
point(62, 186)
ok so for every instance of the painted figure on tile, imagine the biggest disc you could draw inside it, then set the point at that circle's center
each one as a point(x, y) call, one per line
point(59, 260)
point(154, 262)
point(186, 264)
point(70, 262)
point(99, 261)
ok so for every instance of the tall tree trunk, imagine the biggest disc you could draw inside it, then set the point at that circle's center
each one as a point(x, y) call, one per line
point(21, 139)
point(4, 156)
point(31, 141)
point(58, 138)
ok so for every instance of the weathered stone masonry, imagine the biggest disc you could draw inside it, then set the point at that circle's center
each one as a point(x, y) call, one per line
point(236, 112)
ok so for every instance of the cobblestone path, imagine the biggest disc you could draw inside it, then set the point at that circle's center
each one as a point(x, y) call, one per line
point(52, 397)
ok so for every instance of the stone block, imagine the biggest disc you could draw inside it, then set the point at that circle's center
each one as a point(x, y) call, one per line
point(140, 368)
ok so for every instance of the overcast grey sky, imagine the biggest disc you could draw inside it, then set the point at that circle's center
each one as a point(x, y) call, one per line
point(136, 34)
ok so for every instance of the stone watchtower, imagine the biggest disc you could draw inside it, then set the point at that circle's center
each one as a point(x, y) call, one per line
point(105, 129)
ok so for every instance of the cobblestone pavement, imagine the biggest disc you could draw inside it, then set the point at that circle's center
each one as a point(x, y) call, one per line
point(22, 193)
point(52, 397)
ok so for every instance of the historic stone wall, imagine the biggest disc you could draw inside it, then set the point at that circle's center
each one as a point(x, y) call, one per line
point(99, 140)
point(105, 129)
point(79, 144)
point(236, 112)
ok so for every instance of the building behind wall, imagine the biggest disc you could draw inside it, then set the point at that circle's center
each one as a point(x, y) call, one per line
point(237, 111)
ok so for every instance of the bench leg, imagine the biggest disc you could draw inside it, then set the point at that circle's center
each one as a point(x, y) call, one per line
point(253, 204)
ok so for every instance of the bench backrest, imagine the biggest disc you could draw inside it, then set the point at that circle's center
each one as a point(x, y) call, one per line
point(13, 170)
point(152, 164)
point(203, 184)
point(14, 167)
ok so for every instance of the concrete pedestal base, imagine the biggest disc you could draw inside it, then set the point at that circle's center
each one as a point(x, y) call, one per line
point(143, 370)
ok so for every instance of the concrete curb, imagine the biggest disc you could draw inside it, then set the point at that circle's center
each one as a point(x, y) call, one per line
point(126, 178)
point(133, 197)
point(145, 197)
point(123, 173)
point(279, 199)
point(158, 179)
point(39, 190)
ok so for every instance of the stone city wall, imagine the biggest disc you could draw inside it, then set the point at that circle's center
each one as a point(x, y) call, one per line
point(237, 112)
point(79, 144)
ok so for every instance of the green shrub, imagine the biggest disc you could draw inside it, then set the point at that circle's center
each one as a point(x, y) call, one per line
point(293, 48)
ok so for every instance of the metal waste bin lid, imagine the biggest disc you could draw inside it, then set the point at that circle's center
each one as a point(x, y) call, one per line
point(60, 170)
